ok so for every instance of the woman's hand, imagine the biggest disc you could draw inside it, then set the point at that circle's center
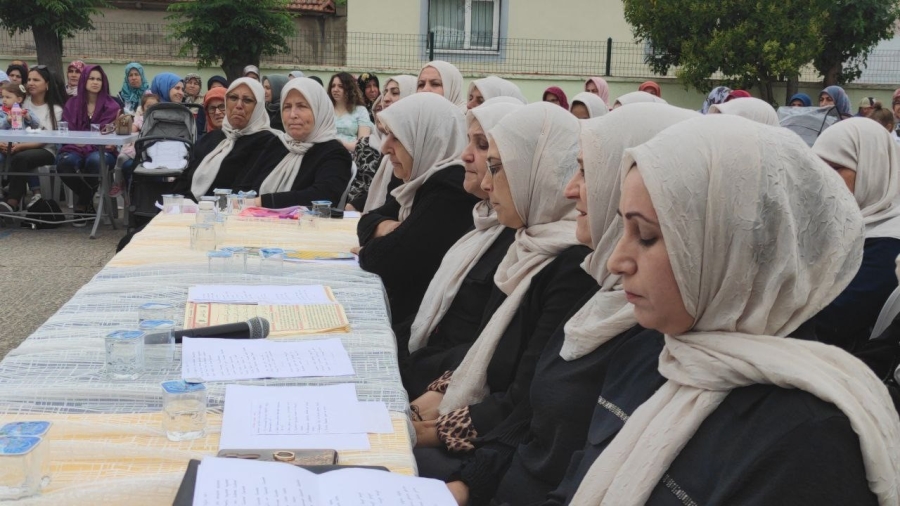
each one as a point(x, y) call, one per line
point(349, 207)
point(355, 250)
point(460, 492)
point(386, 227)
point(427, 405)
point(426, 434)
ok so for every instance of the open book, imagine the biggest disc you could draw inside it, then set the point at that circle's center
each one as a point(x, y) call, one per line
point(226, 482)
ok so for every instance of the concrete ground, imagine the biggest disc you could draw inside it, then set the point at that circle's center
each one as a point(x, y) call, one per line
point(41, 269)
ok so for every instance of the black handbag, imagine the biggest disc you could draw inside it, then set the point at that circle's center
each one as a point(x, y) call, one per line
point(45, 210)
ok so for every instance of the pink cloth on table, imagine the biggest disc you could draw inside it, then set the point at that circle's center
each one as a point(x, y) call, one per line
point(287, 213)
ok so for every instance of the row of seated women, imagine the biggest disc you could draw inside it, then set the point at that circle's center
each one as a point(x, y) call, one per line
point(633, 309)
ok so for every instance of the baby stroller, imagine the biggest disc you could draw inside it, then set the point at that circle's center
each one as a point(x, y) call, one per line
point(808, 122)
point(162, 152)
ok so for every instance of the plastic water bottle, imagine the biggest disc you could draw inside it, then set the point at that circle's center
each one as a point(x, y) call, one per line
point(15, 117)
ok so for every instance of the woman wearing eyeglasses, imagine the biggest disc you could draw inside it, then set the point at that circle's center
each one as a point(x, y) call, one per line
point(222, 157)
point(214, 108)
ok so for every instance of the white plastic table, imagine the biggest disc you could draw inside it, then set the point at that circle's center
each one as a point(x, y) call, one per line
point(82, 138)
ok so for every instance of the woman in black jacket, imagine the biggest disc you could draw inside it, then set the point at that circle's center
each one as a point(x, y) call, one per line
point(404, 240)
point(306, 162)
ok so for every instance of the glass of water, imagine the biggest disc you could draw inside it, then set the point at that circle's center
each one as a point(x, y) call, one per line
point(124, 354)
point(271, 261)
point(156, 311)
point(322, 208)
point(203, 236)
point(62, 127)
point(184, 410)
point(238, 258)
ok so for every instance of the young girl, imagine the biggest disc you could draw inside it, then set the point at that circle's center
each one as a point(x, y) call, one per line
point(15, 94)
point(125, 161)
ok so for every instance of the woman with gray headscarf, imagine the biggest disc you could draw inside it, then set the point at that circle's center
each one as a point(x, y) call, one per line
point(272, 84)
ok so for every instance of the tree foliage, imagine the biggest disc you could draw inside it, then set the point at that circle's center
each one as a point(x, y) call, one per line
point(749, 42)
point(851, 29)
point(51, 21)
point(233, 32)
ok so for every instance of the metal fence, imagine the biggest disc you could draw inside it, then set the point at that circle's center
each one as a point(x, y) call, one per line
point(400, 53)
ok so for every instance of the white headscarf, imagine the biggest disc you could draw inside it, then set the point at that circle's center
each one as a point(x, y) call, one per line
point(595, 105)
point(208, 168)
point(434, 133)
point(282, 177)
point(749, 107)
point(453, 82)
point(493, 87)
point(603, 141)
point(539, 148)
point(864, 146)
point(636, 97)
point(726, 190)
point(460, 258)
point(378, 188)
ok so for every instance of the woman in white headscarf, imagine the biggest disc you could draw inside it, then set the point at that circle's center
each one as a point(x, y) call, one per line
point(490, 87)
point(404, 240)
point(456, 302)
point(533, 153)
point(374, 175)
point(221, 157)
point(303, 163)
point(751, 108)
point(517, 467)
point(588, 105)
point(636, 97)
point(863, 153)
point(444, 79)
point(731, 410)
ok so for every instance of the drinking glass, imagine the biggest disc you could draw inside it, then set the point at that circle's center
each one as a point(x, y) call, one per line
point(124, 354)
point(203, 237)
point(184, 410)
point(95, 128)
point(322, 208)
point(271, 261)
point(62, 127)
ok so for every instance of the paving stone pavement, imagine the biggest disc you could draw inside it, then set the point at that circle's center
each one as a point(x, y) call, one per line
point(41, 269)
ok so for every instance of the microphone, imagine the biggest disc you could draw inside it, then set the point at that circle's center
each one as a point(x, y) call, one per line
point(254, 328)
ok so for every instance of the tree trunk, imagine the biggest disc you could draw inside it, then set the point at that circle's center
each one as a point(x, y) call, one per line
point(49, 49)
point(793, 86)
point(234, 65)
point(831, 76)
point(765, 90)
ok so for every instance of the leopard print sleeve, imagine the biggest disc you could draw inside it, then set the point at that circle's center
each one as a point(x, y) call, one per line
point(440, 385)
point(456, 431)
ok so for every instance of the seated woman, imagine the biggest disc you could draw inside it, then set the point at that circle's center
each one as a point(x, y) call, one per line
point(371, 90)
point(637, 97)
point(350, 114)
point(73, 74)
point(306, 162)
point(555, 95)
point(193, 94)
point(727, 409)
point(222, 157)
point(598, 86)
point(533, 153)
point(214, 108)
point(587, 105)
point(835, 96)
point(444, 79)
point(751, 108)
point(374, 174)
point(404, 240)
point(168, 86)
point(651, 87)
point(491, 87)
point(133, 87)
point(525, 457)
point(450, 316)
point(273, 84)
point(718, 95)
point(92, 106)
point(800, 100)
point(862, 152)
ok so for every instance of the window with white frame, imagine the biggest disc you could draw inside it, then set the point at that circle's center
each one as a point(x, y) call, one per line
point(465, 25)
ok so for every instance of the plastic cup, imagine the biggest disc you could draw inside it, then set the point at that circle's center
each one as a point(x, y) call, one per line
point(62, 127)
point(220, 261)
point(172, 204)
point(156, 311)
point(308, 219)
point(222, 199)
point(159, 341)
point(124, 354)
point(95, 128)
point(271, 261)
point(203, 237)
point(184, 410)
point(238, 258)
point(322, 208)
point(24, 466)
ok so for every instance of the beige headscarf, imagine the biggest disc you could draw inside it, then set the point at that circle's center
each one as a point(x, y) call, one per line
point(434, 133)
point(539, 148)
point(378, 188)
point(460, 258)
point(748, 107)
point(726, 190)
point(453, 82)
point(864, 146)
point(636, 97)
point(595, 105)
point(282, 177)
point(603, 141)
point(493, 87)
point(208, 168)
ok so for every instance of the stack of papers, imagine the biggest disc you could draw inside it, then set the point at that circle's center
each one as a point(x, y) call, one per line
point(262, 294)
point(311, 417)
point(224, 482)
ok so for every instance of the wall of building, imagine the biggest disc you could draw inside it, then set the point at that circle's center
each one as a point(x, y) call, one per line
point(572, 20)
point(384, 16)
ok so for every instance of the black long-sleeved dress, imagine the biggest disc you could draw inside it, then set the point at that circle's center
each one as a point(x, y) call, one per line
point(407, 258)
point(324, 174)
point(234, 167)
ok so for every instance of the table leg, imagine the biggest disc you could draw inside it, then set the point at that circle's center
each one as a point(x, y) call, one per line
point(104, 195)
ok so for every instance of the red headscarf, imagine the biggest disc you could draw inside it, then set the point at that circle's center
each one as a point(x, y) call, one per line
point(213, 94)
point(738, 94)
point(559, 94)
point(651, 87)
point(602, 87)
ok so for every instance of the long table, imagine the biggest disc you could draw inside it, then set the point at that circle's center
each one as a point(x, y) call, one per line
point(106, 442)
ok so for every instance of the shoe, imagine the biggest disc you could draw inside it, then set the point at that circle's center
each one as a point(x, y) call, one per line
point(33, 200)
point(115, 190)
point(80, 224)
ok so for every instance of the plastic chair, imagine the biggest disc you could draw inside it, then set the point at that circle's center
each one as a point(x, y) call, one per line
point(343, 202)
point(888, 312)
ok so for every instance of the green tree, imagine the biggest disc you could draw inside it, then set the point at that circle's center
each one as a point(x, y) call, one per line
point(51, 22)
point(852, 28)
point(234, 32)
point(744, 43)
